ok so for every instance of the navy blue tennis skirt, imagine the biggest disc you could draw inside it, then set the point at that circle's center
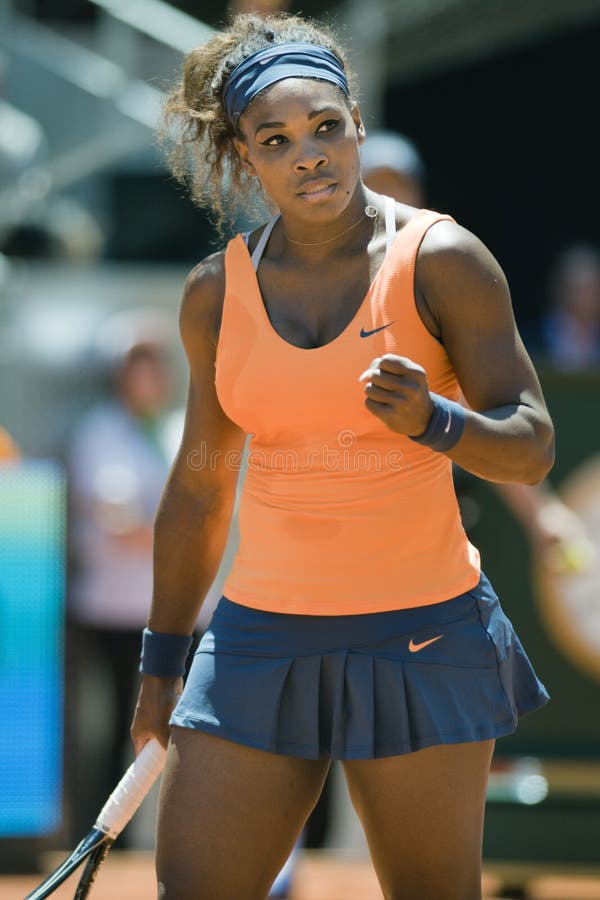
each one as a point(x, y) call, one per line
point(360, 686)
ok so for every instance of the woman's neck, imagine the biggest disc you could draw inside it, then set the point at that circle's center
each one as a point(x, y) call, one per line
point(349, 232)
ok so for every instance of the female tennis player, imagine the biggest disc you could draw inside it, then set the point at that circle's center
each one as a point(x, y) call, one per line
point(356, 624)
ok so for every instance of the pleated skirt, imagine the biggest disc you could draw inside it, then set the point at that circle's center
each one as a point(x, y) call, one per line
point(360, 686)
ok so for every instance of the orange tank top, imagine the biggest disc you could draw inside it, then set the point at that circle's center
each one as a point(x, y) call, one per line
point(338, 514)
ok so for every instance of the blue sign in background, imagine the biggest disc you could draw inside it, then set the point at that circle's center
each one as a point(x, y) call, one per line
point(32, 587)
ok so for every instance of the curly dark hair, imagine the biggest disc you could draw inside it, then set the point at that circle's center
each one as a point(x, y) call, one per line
point(201, 154)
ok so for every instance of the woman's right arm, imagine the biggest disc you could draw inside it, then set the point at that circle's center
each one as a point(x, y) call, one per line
point(194, 515)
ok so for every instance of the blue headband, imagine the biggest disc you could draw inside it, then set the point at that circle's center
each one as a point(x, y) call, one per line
point(274, 63)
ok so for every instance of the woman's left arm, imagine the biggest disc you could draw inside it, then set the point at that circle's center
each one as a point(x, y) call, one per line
point(508, 435)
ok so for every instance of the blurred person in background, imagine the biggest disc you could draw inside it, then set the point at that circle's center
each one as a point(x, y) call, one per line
point(571, 327)
point(391, 164)
point(118, 460)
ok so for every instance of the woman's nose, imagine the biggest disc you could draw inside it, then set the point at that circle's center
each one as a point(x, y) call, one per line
point(310, 158)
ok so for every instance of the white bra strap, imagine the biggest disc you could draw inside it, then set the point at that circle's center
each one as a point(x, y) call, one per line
point(263, 240)
point(390, 221)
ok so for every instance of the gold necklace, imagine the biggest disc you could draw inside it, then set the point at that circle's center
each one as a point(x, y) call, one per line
point(370, 213)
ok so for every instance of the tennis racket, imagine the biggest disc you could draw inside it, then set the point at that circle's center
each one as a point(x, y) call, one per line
point(114, 816)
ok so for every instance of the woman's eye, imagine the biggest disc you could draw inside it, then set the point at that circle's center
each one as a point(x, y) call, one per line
point(328, 125)
point(274, 141)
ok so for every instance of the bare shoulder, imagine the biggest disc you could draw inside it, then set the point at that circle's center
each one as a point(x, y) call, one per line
point(202, 300)
point(404, 213)
point(449, 251)
point(459, 279)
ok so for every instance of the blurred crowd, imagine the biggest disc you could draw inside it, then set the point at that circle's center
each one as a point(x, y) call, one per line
point(117, 458)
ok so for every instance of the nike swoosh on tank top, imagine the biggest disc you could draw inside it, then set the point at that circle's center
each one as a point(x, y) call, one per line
point(338, 514)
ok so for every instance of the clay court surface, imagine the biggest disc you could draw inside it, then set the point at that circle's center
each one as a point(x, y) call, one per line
point(130, 876)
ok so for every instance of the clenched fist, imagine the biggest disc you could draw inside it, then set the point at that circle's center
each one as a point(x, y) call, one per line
point(396, 391)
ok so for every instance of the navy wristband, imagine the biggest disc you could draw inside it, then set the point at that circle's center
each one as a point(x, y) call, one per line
point(164, 655)
point(445, 426)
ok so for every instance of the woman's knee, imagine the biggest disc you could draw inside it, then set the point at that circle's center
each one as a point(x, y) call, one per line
point(214, 883)
point(175, 888)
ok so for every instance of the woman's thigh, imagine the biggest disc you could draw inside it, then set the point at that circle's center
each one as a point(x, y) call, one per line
point(423, 817)
point(229, 816)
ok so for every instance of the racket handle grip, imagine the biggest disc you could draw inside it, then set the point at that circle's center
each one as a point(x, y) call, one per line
point(131, 789)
